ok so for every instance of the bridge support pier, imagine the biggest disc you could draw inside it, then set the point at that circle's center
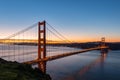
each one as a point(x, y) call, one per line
point(42, 66)
point(42, 45)
point(104, 52)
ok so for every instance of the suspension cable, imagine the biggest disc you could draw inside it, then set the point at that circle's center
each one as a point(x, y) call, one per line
point(22, 31)
point(59, 33)
point(55, 35)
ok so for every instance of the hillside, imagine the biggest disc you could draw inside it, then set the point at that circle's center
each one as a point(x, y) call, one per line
point(18, 71)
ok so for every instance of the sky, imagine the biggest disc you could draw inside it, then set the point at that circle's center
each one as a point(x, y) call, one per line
point(77, 20)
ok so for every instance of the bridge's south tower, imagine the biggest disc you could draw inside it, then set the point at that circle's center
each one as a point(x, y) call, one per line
point(42, 45)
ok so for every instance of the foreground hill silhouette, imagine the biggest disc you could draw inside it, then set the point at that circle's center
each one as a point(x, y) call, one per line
point(17, 71)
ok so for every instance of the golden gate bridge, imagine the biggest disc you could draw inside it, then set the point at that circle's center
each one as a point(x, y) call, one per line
point(40, 43)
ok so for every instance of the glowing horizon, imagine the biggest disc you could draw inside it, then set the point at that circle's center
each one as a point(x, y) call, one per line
point(73, 38)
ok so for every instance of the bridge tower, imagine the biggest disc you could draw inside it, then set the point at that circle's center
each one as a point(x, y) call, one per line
point(42, 45)
point(104, 48)
point(103, 41)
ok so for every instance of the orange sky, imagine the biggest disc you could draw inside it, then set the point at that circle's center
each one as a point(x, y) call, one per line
point(74, 38)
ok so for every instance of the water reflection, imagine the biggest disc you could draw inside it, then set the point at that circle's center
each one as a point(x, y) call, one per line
point(99, 61)
point(81, 72)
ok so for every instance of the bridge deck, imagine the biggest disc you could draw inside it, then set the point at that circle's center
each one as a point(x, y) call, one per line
point(63, 55)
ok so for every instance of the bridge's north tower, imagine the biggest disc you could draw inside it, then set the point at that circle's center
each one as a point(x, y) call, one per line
point(104, 47)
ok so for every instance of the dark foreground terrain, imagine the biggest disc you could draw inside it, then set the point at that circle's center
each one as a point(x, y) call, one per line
point(18, 71)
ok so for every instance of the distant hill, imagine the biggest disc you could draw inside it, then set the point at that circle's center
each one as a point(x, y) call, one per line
point(112, 46)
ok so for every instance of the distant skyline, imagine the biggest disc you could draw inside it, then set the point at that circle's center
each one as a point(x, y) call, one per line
point(78, 20)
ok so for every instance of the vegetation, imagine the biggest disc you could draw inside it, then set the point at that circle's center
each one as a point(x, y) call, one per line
point(18, 71)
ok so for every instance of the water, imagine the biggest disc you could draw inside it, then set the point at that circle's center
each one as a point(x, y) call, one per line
point(84, 66)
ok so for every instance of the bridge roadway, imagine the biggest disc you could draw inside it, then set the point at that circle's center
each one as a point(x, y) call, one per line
point(63, 55)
